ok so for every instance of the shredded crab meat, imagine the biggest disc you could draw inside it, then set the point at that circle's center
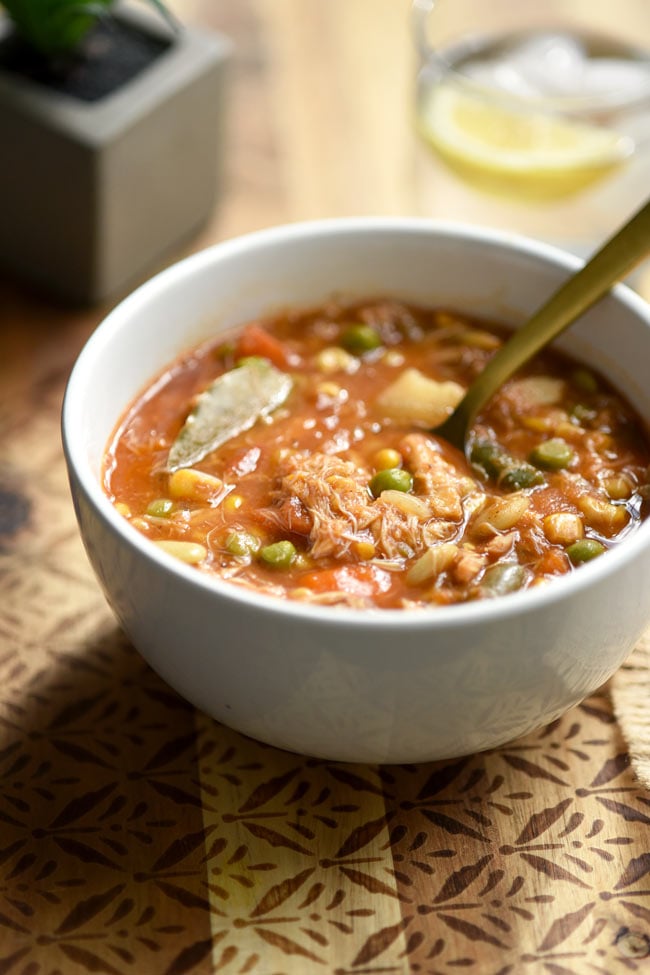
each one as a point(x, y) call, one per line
point(338, 512)
point(396, 533)
point(434, 477)
point(334, 493)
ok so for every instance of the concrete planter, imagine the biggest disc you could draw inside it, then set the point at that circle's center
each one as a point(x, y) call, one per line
point(95, 194)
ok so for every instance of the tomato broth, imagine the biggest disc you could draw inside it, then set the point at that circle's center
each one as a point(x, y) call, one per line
point(294, 457)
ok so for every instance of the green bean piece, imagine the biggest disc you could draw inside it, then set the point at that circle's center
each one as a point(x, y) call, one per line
point(498, 465)
point(585, 380)
point(522, 476)
point(278, 555)
point(242, 543)
point(359, 338)
point(160, 508)
point(391, 479)
point(505, 577)
point(552, 455)
point(488, 456)
point(584, 550)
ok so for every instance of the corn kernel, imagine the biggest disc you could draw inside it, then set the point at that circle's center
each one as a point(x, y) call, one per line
point(618, 487)
point(233, 503)
point(363, 550)
point(570, 431)
point(123, 509)
point(329, 389)
point(387, 458)
point(194, 485)
point(336, 359)
point(603, 515)
point(393, 358)
point(563, 528)
point(538, 424)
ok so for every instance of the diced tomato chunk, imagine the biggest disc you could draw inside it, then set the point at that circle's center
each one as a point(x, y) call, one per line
point(256, 341)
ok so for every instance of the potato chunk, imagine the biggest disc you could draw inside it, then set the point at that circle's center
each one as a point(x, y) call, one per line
point(533, 392)
point(414, 398)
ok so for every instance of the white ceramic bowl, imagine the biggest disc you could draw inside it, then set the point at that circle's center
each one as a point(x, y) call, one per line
point(371, 686)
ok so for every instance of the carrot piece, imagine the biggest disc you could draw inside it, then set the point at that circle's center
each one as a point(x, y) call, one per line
point(256, 341)
point(358, 580)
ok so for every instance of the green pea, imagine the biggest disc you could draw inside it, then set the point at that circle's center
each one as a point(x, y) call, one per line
point(552, 455)
point(584, 550)
point(242, 543)
point(359, 338)
point(160, 508)
point(279, 555)
point(523, 476)
point(503, 578)
point(585, 380)
point(391, 479)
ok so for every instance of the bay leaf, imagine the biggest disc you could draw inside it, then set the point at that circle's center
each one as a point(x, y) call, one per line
point(234, 402)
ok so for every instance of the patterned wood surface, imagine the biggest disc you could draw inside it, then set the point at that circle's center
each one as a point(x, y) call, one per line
point(136, 835)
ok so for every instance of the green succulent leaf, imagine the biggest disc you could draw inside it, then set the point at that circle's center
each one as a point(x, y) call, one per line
point(55, 28)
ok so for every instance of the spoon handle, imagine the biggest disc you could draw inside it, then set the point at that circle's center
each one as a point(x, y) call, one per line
point(619, 255)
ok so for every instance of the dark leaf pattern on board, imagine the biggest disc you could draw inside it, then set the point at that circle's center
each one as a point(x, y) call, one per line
point(85, 910)
point(138, 835)
point(360, 837)
point(287, 945)
point(531, 769)
point(81, 806)
point(267, 791)
point(564, 926)
point(471, 931)
point(441, 779)
point(637, 869)
point(278, 894)
point(539, 822)
point(379, 942)
point(551, 869)
point(458, 881)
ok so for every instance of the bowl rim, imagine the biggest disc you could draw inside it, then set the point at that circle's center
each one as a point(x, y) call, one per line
point(430, 618)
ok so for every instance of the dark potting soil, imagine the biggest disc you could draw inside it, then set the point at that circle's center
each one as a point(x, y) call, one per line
point(113, 53)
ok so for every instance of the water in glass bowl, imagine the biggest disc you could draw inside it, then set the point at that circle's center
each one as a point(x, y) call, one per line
point(539, 115)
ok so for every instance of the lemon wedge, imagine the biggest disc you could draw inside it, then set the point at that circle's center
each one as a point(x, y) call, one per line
point(504, 147)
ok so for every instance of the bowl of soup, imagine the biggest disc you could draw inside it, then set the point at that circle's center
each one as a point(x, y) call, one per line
point(250, 441)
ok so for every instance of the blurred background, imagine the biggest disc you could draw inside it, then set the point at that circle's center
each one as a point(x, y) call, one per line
point(353, 107)
point(328, 113)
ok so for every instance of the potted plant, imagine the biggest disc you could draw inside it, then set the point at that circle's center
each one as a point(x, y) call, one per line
point(110, 140)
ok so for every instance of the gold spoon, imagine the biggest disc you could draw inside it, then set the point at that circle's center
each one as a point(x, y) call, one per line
point(616, 258)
